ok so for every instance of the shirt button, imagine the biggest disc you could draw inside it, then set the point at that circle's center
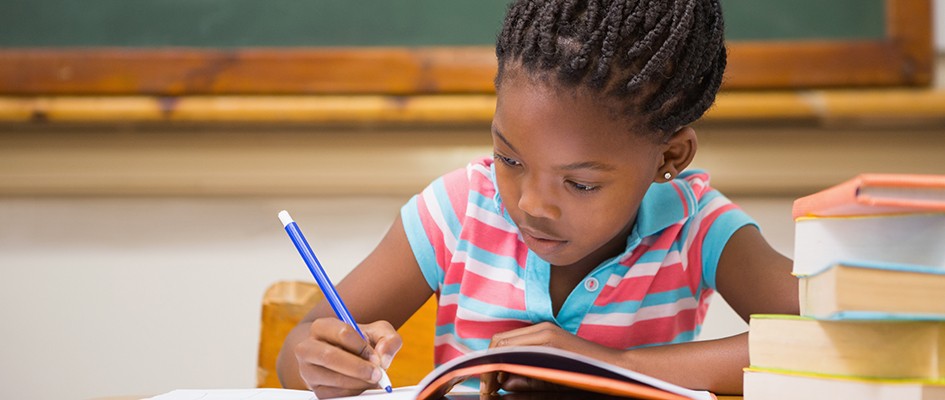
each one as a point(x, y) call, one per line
point(591, 284)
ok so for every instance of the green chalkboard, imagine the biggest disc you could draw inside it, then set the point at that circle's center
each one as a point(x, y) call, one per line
point(294, 23)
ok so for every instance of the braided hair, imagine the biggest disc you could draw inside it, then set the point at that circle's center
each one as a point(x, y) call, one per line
point(661, 61)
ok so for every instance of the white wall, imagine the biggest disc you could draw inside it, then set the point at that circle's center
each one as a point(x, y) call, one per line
point(939, 25)
point(137, 296)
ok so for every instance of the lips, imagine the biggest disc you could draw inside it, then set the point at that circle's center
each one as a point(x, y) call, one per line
point(540, 242)
point(536, 234)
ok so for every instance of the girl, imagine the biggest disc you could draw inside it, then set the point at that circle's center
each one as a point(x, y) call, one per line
point(583, 232)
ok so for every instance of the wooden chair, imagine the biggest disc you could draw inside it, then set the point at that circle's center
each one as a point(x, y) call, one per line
point(285, 303)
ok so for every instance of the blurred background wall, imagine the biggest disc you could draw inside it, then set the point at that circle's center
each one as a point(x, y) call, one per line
point(135, 250)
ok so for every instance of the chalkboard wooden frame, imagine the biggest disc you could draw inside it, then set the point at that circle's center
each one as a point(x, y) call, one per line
point(904, 57)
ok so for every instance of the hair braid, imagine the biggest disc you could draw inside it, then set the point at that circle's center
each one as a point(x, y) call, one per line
point(659, 61)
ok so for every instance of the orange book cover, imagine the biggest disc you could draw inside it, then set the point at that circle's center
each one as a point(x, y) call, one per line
point(556, 366)
point(871, 194)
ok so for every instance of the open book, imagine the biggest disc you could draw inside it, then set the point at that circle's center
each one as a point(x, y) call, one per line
point(545, 363)
point(552, 365)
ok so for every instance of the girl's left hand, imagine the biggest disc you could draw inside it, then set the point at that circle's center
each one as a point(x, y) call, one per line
point(543, 334)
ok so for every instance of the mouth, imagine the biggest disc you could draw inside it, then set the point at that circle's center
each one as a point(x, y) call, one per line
point(541, 242)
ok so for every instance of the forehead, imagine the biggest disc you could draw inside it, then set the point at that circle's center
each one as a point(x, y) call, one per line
point(536, 108)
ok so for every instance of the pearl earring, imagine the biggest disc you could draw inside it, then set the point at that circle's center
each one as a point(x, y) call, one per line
point(668, 176)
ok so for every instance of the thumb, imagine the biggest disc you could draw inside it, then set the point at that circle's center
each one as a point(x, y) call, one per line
point(385, 340)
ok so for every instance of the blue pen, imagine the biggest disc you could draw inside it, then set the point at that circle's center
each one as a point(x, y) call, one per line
point(324, 283)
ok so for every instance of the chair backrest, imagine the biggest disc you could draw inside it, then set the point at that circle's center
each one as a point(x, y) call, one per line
point(285, 303)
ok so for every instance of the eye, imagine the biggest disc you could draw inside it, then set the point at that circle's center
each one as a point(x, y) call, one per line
point(507, 161)
point(582, 188)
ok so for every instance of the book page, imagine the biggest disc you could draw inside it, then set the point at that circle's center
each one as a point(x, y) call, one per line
point(400, 393)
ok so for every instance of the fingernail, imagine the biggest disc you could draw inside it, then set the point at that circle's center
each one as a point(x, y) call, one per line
point(386, 360)
point(376, 375)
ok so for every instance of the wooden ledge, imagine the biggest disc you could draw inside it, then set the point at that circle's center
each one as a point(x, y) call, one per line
point(814, 106)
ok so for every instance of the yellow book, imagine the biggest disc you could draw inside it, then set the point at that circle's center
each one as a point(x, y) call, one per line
point(859, 290)
point(763, 384)
point(886, 349)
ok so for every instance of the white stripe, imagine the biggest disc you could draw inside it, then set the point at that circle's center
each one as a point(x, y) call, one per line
point(643, 314)
point(470, 315)
point(448, 299)
point(450, 340)
point(645, 269)
point(433, 206)
point(490, 218)
point(482, 169)
point(487, 271)
point(713, 205)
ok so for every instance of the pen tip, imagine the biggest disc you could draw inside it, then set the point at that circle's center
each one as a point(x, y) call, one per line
point(388, 389)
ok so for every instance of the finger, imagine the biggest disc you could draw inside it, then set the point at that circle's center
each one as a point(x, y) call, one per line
point(488, 383)
point(518, 383)
point(340, 334)
point(327, 383)
point(324, 354)
point(385, 339)
point(534, 335)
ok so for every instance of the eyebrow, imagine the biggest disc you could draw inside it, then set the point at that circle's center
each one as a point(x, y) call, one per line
point(503, 139)
point(594, 165)
point(587, 165)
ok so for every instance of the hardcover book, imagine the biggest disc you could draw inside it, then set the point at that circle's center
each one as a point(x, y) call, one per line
point(876, 194)
point(884, 349)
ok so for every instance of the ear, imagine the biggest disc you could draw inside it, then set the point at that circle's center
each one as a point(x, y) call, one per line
point(678, 152)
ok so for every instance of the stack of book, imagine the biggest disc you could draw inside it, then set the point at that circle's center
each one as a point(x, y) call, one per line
point(870, 258)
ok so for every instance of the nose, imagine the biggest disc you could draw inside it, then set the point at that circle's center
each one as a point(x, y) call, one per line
point(537, 200)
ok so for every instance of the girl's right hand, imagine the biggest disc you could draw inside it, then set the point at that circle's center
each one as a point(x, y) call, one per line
point(335, 361)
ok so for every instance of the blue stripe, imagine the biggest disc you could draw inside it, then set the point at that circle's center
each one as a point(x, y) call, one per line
point(651, 299)
point(494, 260)
point(475, 344)
point(419, 243)
point(717, 237)
point(657, 255)
point(667, 297)
point(446, 207)
point(449, 289)
point(483, 202)
point(492, 310)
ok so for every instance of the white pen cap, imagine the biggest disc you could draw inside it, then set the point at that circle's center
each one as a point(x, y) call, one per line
point(285, 218)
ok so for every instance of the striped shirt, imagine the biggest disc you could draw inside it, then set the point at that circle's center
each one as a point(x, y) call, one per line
point(487, 281)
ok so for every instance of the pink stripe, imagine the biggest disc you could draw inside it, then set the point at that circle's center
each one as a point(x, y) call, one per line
point(486, 329)
point(670, 277)
point(493, 292)
point(490, 238)
point(659, 330)
point(445, 314)
point(454, 275)
point(457, 190)
point(445, 352)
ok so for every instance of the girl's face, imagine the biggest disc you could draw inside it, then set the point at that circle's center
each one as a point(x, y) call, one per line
point(570, 174)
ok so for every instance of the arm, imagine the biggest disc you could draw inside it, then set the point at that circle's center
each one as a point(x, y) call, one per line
point(325, 355)
point(753, 278)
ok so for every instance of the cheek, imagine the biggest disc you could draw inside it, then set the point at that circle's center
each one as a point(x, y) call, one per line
point(507, 187)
